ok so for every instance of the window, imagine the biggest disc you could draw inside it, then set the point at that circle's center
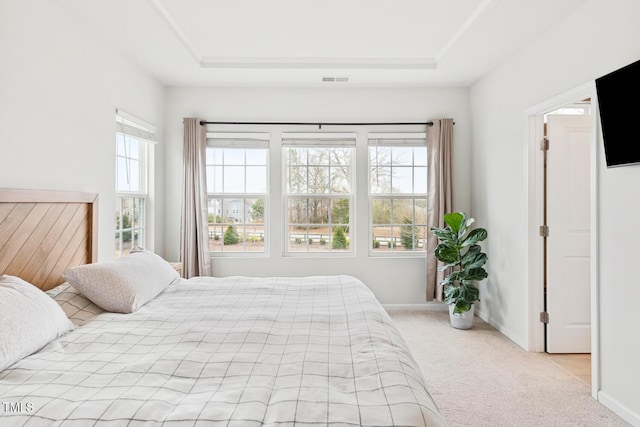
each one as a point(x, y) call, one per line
point(318, 193)
point(398, 193)
point(237, 189)
point(131, 182)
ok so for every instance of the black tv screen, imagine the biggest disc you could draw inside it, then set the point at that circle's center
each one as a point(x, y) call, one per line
point(618, 94)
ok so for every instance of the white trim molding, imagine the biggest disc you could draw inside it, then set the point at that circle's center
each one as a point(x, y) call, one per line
point(620, 409)
point(320, 63)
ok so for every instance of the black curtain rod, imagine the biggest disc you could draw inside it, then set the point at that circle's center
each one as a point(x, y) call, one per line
point(204, 122)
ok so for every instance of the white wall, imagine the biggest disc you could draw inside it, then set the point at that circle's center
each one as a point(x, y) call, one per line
point(59, 89)
point(394, 281)
point(601, 36)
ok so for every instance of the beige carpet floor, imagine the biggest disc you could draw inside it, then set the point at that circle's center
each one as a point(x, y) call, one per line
point(478, 377)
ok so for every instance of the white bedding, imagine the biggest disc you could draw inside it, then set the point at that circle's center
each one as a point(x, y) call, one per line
point(236, 351)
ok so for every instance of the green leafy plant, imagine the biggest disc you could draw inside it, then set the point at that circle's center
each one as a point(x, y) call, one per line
point(126, 223)
point(339, 240)
point(231, 236)
point(257, 210)
point(463, 259)
point(408, 234)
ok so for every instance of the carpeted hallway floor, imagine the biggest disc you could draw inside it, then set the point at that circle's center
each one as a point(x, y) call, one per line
point(479, 377)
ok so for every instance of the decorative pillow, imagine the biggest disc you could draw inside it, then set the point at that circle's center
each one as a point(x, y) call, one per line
point(123, 285)
point(75, 305)
point(29, 319)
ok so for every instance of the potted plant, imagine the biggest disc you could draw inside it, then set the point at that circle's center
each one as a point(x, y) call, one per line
point(463, 261)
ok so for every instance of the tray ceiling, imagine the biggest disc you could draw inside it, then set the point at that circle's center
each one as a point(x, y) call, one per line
point(300, 42)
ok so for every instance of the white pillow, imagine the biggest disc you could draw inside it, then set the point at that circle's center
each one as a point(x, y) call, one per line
point(123, 285)
point(76, 306)
point(29, 320)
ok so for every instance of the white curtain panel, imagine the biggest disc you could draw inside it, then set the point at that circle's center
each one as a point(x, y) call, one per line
point(194, 233)
point(440, 190)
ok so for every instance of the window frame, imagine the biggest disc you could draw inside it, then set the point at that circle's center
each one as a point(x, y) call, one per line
point(406, 140)
point(140, 200)
point(310, 140)
point(243, 141)
point(129, 127)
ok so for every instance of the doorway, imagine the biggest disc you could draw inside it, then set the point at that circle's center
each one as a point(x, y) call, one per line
point(562, 224)
point(566, 235)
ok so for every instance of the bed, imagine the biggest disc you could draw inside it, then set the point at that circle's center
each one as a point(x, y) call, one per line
point(234, 351)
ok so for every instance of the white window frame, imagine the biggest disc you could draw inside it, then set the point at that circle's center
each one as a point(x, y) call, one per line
point(129, 126)
point(243, 140)
point(405, 139)
point(319, 140)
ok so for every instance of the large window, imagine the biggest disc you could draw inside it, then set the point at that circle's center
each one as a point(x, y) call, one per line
point(397, 193)
point(318, 193)
point(237, 188)
point(131, 183)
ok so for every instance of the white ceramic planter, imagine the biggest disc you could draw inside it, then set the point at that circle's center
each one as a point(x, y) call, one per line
point(461, 320)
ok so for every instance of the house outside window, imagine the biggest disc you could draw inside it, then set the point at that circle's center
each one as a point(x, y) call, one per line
point(397, 194)
point(319, 193)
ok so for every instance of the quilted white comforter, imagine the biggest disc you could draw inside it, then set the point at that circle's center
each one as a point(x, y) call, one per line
point(232, 351)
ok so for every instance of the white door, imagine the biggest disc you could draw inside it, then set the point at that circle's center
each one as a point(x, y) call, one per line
point(568, 247)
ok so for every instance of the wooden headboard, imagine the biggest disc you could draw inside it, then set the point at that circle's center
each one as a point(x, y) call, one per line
point(42, 233)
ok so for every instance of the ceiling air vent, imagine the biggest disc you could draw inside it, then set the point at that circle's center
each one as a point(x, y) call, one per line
point(335, 80)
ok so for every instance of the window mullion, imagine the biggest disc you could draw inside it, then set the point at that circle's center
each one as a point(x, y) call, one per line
point(131, 159)
point(318, 187)
point(399, 159)
point(232, 206)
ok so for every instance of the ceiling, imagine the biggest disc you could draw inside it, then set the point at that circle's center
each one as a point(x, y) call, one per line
point(300, 42)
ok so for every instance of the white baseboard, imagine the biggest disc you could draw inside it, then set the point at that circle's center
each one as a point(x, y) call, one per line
point(427, 306)
point(621, 410)
point(522, 342)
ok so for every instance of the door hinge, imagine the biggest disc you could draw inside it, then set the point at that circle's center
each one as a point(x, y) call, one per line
point(544, 230)
point(544, 317)
point(544, 144)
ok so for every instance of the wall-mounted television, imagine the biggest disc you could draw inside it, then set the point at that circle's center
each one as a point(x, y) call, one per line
point(618, 95)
